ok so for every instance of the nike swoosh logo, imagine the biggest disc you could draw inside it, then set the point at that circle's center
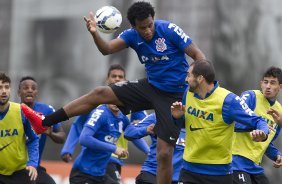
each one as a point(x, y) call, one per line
point(99, 14)
point(194, 129)
point(5, 146)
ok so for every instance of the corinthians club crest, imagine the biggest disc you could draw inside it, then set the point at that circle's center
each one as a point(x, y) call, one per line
point(160, 44)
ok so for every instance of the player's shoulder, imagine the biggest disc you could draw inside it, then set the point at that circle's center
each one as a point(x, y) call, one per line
point(42, 107)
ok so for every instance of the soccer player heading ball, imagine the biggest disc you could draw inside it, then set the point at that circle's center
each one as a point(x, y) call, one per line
point(161, 46)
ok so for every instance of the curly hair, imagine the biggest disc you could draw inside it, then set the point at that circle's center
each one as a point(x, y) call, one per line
point(4, 78)
point(140, 11)
point(274, 72)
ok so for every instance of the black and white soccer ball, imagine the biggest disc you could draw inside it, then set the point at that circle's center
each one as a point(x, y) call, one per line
point(108, 19)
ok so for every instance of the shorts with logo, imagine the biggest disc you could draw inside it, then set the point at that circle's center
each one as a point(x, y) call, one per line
point(140, 95)
point(240, 177)
point(187, 177)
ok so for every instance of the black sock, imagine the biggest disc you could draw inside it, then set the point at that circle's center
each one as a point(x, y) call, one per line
point(54, 118)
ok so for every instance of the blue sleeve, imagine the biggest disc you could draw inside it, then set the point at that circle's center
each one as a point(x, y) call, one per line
point(142, 145)
point(32, 144)
point(236, 109)
point(126, 36)
point(272, 152)
point(176, 35)
point(73, 136)
point(140, 130)
point(250, 98)
point(138, 115)
point(86, 139)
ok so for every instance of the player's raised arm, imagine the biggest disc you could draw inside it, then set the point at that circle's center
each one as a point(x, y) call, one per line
point(105, 47)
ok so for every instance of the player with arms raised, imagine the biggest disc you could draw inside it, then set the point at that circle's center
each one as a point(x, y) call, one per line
point(161, 46)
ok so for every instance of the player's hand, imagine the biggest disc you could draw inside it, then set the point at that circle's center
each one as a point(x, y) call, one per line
point(48, 131)
point(177, 110)
point(67, 157)
point(150, 129)
point(258, 135)
point(276, 116)
point(278, 162)
point(32, 172)
point(121, 152)
point(90, 23)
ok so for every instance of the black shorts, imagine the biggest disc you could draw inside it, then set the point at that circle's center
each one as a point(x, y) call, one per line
point(17, 177)
point(187, 177)
point(146, 178)
point(77, 177)
point(114, 171)
point(43, 177)
point(240, 177)
point(140, 95)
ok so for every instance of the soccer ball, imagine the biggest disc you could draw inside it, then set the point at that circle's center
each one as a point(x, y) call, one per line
point(108, 19)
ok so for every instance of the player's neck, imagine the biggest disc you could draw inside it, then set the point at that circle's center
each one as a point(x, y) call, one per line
point(205, 89)
point(4, 107)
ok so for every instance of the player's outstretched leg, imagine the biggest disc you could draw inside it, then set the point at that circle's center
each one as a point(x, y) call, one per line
point(34, 118)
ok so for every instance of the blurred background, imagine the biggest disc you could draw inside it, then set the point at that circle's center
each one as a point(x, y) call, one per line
point(48, 39)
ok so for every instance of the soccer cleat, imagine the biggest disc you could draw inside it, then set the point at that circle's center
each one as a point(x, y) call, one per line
point(35, 118)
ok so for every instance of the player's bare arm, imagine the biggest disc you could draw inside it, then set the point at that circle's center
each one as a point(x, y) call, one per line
point(104, 47)
point(194, 52)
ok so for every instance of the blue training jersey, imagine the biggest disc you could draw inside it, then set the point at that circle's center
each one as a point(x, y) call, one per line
point(163, 56)
point(234, 109)
point(142, 145)
point(244, 164)
point(77, 126)
point(45, 110)
point(150, 164)
point(98, 137)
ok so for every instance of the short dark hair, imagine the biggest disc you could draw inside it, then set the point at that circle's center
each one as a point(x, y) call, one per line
point(274, 72)
point(26, 78)
point(140, 11)
point(115, 67)
point(4, 78)
point(204, 68)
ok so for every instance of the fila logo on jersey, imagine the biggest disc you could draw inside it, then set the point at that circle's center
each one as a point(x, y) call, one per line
point(94, 117)
point(179, 31)
point(244, 106)
point(200, 114)
point(9, 132)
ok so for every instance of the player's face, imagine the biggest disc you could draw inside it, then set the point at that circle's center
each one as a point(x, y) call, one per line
point(5, 91)
point(270, 87)
point(145, 28)
point(192, 80)
point(28, 92)
point(115, 76)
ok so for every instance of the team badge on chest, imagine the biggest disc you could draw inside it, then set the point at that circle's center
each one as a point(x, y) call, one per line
point(160, 44)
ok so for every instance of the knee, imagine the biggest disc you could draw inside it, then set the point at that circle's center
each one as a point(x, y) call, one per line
point(164, 155)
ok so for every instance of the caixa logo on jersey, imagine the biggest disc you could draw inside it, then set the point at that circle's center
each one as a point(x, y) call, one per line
point(9, 132)
point(111, 139)
point(200, 113)
point(154, 58)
